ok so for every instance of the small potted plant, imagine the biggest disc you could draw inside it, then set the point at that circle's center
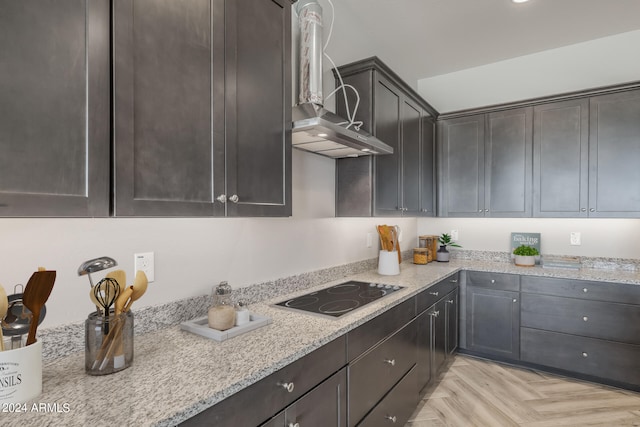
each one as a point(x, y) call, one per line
point(525, 256)
point(443, 254)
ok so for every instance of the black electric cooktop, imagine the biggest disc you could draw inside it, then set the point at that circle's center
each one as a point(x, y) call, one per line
point(340, 299)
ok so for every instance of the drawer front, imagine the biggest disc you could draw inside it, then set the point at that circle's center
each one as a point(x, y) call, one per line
point(375, 330)
point(582, 289)
point(397, 406)
point(590, 356)
point(304, 374)
point(498, 281)
point(595, 319)
point(375, 373)
point(433, 293)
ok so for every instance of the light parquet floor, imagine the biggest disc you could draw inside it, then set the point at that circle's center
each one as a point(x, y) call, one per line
point(475, 392)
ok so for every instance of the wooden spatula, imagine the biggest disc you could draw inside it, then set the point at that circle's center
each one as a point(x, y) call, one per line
point(35, 295)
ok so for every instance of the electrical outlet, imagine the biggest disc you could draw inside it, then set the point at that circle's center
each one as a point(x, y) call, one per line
point(454, 235)
point(369, 240)
point(575, 238)
point(144, 261)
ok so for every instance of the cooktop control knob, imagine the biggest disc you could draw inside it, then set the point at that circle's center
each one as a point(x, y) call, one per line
point(380, 285)
point(396, 287)
point(372, 285)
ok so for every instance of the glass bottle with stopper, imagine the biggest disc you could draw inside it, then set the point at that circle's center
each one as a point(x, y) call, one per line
point(222, 314)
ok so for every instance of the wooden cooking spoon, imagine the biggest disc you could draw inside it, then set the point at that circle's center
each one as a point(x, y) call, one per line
point(4, 306)
point(140, 284)
point(35, 295)
point(119, 276)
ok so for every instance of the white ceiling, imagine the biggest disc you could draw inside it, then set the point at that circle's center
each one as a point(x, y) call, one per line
point(426, 38)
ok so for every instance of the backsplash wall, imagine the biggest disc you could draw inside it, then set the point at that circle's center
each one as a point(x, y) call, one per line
point(193, 254)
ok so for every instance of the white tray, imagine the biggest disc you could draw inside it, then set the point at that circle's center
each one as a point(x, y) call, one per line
point(200, 326)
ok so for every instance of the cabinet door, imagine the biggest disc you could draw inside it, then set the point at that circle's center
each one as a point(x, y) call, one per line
point(493, 322)
point(325, 405)
point(411, 138)
point(423, 361)
point(508, 163)
point(561, 159)
point(164, 106)
point(438, 337)
point(258, 107)
point(451, 316)
point(427, 167)
point(387, 195)
point(461, 167)
point(54, 114)
point(614, 155)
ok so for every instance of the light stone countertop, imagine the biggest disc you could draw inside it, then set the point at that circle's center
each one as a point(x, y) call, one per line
point(176, 374)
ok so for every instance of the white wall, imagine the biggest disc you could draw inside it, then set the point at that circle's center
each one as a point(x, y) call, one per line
point(601, 62)
point(192, 254)
point(613, 238)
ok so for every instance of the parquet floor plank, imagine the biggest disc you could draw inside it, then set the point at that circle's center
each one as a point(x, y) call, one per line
point(476, 392)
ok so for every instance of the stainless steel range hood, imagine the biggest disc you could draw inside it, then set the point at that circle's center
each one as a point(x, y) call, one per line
point(316, 129)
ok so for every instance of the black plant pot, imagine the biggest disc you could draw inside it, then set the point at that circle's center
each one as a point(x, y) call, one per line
point(443, 254)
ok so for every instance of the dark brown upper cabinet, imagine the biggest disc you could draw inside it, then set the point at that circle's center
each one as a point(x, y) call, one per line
point(398, 184)
point(54, 114)
point(202, 108)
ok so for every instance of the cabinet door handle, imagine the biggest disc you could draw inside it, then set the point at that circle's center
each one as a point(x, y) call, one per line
point(583, 209)
point(435, 313)
point(515, 300)
point(585, 290)
point(493, 280)
point(287, 386)
point(449, 301)
point(585, 318)
point(480, 211)
point(391, 418)
point(391, 362)
point(592, 210)
point(486, 210)
point(222, 198)
point(453, 281)
point(584, 354)
point(234, 198)
point(294, 425)
point(435, 294)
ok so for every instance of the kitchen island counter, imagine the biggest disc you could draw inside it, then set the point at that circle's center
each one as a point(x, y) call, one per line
point(177, 374)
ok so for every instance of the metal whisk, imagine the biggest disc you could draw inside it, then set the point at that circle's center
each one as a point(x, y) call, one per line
point(106, 292)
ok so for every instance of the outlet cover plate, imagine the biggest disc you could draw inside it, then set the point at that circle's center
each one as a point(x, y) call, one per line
point(145, 261)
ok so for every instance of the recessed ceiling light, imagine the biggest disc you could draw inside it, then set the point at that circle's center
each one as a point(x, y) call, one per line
point(519, 1)
point(323, 135)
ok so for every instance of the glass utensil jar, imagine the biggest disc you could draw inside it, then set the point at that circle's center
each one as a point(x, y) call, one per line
point(110, 352)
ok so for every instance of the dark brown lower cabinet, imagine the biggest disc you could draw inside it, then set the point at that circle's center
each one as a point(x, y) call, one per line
point(325, 405)
point(375, 373)
point(397, 406)
point(607, 360)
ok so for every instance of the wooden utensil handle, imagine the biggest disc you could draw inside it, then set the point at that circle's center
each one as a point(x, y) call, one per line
point(33, 327)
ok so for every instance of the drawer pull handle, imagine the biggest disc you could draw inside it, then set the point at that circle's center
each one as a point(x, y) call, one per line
point(435, 294)
point(287, 386)
point(493, 280)
point(391, 418)
point(391, 362)
point(453, 281)
point(294, 425)
point(585, 318)
point(584, 354)
point(585, 290)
